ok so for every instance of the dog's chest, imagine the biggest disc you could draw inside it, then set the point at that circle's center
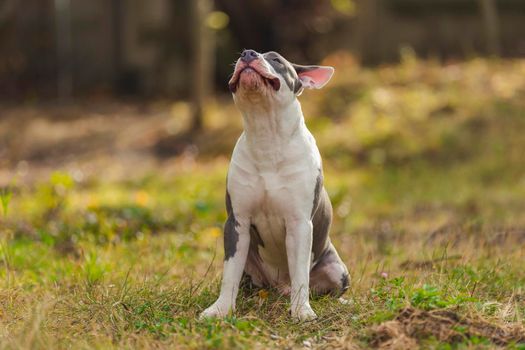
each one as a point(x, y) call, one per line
point(272, 194)
point(267, 177)
point(272, 189)
point(271, 208)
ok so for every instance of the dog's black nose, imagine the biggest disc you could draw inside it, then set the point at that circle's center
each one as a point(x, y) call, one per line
point(248, 55)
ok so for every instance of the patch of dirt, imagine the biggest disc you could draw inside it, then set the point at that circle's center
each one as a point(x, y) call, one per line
point(444, 325)
point(122, 139)
point(345, 342)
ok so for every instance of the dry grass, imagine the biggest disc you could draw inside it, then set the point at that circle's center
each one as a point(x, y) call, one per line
point(116, 244)
point(443, 325)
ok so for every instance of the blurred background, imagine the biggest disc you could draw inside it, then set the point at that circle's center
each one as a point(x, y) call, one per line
point(116, 126)
point(65, 48)
point(123, 90)
point(63, 61)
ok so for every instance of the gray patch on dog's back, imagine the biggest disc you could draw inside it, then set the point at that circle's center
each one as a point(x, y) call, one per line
point(321, 220)
point(317, 192)
point(231, 236)
point(284, 69)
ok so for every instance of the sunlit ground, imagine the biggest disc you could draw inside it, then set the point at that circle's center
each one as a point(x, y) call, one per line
point(110, 241)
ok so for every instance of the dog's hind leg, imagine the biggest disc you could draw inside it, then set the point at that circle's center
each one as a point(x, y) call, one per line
point(329, 275)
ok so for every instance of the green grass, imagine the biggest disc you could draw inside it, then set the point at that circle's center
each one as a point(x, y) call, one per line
point(425, 167)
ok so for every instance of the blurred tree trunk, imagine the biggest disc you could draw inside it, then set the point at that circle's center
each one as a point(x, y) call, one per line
point(117, 12)
point(489, 13)
point(249, 21)
point(368, 23)
point(201, 60)
point(64, 45)
point(6, 10)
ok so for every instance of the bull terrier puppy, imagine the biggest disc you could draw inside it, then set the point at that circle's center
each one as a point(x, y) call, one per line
point(279, 213)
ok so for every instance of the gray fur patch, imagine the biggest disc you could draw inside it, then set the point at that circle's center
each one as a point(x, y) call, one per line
point(321, 220)
point(345, 283)
point(325, 277)
point(231, 236)
point(255, 238)
point(253, 267)
point(327, 257)
point(284, 69)
point(317, 192)
point(229, 208)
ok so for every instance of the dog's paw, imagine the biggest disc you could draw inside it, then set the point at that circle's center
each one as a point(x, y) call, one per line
point(304, 313)
point(215, 311)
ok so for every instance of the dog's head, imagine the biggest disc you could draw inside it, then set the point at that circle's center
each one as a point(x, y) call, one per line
point(268, 78)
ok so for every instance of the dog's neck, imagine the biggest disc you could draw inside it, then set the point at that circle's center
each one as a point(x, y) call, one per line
point(267, 124)
point(274, 136)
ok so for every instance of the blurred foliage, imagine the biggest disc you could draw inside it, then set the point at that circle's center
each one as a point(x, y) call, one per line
point(5, 198)
point(418, 133)
point(420, 109)
point(347, 7)
point(424, 165)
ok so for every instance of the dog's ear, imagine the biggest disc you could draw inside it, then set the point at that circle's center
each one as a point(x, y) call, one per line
point(313, 77)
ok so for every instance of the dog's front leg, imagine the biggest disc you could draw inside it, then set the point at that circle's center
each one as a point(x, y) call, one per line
point(299, 250)
point(236, 245)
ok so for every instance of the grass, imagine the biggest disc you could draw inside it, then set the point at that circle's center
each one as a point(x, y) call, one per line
point(424, 164)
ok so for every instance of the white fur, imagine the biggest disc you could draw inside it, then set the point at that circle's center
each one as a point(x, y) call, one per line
point(271, 182)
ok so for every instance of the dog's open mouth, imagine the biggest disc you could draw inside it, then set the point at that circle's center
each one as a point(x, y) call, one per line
point(272, 81)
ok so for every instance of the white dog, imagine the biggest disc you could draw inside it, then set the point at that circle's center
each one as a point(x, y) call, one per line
point(279, 213)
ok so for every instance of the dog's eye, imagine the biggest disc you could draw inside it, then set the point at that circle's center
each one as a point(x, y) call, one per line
point(277, 60)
